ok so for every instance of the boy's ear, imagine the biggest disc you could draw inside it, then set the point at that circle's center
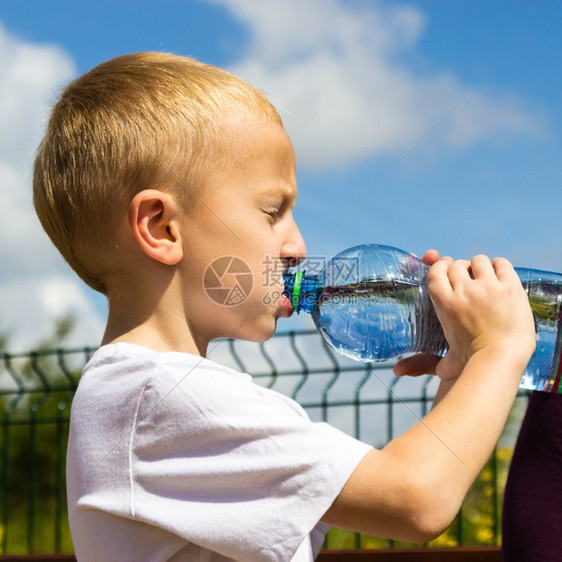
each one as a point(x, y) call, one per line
point(154, 218)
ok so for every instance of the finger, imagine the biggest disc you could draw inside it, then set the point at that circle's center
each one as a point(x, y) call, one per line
point(504, 270)
point(481, 267)
point(459, 272)
point(438, 279)
point(418, 364)
point(430, 257)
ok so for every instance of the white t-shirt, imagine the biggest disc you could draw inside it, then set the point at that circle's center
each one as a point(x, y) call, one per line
point(174, 457)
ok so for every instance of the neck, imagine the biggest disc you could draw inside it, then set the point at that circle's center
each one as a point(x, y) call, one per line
point(161, 327)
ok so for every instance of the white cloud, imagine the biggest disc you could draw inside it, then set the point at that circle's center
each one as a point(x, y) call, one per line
point(29, 306)
point(31, 75)
point(36, 287)
point(338, 73)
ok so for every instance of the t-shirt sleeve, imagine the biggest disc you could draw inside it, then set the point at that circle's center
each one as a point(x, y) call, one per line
point(234, 467)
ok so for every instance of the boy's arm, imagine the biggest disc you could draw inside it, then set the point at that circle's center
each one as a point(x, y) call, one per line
point(412, 488)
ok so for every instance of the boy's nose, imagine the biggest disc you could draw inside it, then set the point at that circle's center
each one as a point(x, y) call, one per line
point(294, 249)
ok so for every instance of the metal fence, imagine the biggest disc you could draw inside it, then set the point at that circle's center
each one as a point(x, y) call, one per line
point(366, 401)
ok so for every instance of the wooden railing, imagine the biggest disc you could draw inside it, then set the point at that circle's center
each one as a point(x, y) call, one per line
point(457, 554)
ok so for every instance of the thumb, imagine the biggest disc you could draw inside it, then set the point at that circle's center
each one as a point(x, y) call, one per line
point(450, 367)
point(418, 364)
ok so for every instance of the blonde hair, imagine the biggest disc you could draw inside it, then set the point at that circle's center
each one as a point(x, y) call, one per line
point(134, 122)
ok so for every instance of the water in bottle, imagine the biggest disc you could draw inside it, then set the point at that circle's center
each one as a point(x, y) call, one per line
point(371, 303)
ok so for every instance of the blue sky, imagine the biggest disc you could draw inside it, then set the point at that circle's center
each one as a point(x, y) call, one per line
point(416, 123)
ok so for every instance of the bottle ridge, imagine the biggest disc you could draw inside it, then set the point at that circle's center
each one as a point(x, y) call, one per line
point(371, 303)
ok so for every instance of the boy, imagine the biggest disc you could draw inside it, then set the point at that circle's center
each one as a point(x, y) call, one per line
point(153, 167)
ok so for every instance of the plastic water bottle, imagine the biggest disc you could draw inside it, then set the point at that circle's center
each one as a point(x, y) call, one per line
point(371, 303)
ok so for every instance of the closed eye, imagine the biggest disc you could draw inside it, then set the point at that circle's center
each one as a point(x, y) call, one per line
point(273, 213)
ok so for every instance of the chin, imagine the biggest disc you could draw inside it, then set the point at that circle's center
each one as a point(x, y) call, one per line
point(258, 332)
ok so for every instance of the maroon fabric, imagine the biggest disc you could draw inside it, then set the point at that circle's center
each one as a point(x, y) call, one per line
point(532, 513)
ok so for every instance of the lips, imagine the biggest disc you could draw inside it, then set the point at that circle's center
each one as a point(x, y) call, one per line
point(286, 306)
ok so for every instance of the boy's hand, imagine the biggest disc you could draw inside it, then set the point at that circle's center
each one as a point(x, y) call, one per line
point(480, 306)
point(463, 273)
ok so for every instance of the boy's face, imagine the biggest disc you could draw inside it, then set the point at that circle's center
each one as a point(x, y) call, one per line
point(242, 237)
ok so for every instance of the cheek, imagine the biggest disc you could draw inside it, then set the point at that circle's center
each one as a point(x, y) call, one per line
point(268, 276)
